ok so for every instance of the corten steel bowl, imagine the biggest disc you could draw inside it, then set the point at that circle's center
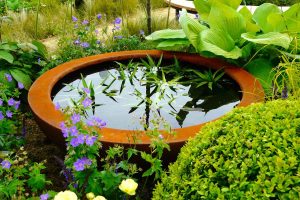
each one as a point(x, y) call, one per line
point(48, 117)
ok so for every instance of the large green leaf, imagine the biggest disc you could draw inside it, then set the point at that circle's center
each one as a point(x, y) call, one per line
point(227, 20)
point(22, 77)
point(6, 56)
point(289, 21)
point(250, 24)
point(271, 38)
point(262, 69)
point(173, 43)
point(41, 48)
point(191, 28)
point(203, 7)
point(262, 16)
point(166, 34)
point(219, 43)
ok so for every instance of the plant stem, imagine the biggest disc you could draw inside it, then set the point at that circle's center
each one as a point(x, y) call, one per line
point(37, 18)
point(148, 11)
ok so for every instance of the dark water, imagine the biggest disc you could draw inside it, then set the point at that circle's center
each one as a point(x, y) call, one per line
point(140, 101)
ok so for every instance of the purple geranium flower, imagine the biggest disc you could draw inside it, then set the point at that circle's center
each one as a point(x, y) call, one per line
point(80, 139)
point(99, 16)
point(85, 22)
point(98, 41)
point(74, 142)
point(85, 44)
point(57, 106)
point(17, 105)
point(1, 116)
point(73, 131)
point(142, 32)
point(20, 85)
point(74, 19)
point(99, 122)
point(87, 102)
point(90, 140)
point(6, 164)
point(118, 20)
point(118, 37)
point(75, 118)
point(65, 132)
point(90, 123)
point(44, 196)
point(62, 125)
point(9, 114)
point(77, 42)
point(11, 102)
point(80, 164)
point(96, 31)
point(86, 90)
point(8, 77)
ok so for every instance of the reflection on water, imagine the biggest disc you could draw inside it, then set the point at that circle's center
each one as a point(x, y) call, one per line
point(124, 97)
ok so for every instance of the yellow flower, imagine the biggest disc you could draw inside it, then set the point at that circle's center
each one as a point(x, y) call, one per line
point(99, 198)
point(66, 195)
point(128, 186)
point(90, 196)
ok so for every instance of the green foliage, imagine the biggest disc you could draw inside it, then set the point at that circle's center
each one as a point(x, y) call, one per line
point(277, 2)
point(21, 177)
point(251, 153)
point(22, 61)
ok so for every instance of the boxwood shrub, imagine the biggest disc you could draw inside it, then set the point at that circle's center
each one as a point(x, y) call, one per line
point(251, 153)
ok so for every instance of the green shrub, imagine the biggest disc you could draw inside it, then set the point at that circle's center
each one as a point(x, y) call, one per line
point(251, 153)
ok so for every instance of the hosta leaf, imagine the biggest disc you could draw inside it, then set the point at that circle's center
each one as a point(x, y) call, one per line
point(6, 56)
point(219, 43)
point(250, 24)
point(41, 48)
point(262, 69)
point(262, 16)
point(272, 38)
point(166, 34)
point(227, 19)
point(173, 43)
point(191, 27)
point(22, 77)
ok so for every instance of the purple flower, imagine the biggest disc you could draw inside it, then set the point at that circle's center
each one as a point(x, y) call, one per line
point(11, 102)
point(6, 164)
point(98, 42)
point(90, 123)
point(87, 102)
point(96, 31)
point(8, 77)
point(98, 122)
point(73, 131)
point(44, 196)
point(74, 19)
point(17, 105)
point(57, 106)
point(74, 142)
point(77, 42)
point(196, 16)
point(85, 22)
point(1, 102)
point(86, 90)
point(80, 139)
point(142, 32)
point(118, 37)
point(65, 132)
point(118, 20)
point(284, 93)
point(75, 118)
point(20, 85)
point(1, 116)
point(62, 125)
point(80, 164)
point(90, 140)
point(99, 16)
point(9, 114)
point(85, 44)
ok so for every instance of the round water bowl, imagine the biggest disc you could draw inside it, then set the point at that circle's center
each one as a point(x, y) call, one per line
point(48, 117)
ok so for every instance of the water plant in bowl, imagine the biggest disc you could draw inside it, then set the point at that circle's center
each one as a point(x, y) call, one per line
point(186, 93)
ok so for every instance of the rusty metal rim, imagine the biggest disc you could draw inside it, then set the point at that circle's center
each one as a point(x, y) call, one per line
point(39, 96)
